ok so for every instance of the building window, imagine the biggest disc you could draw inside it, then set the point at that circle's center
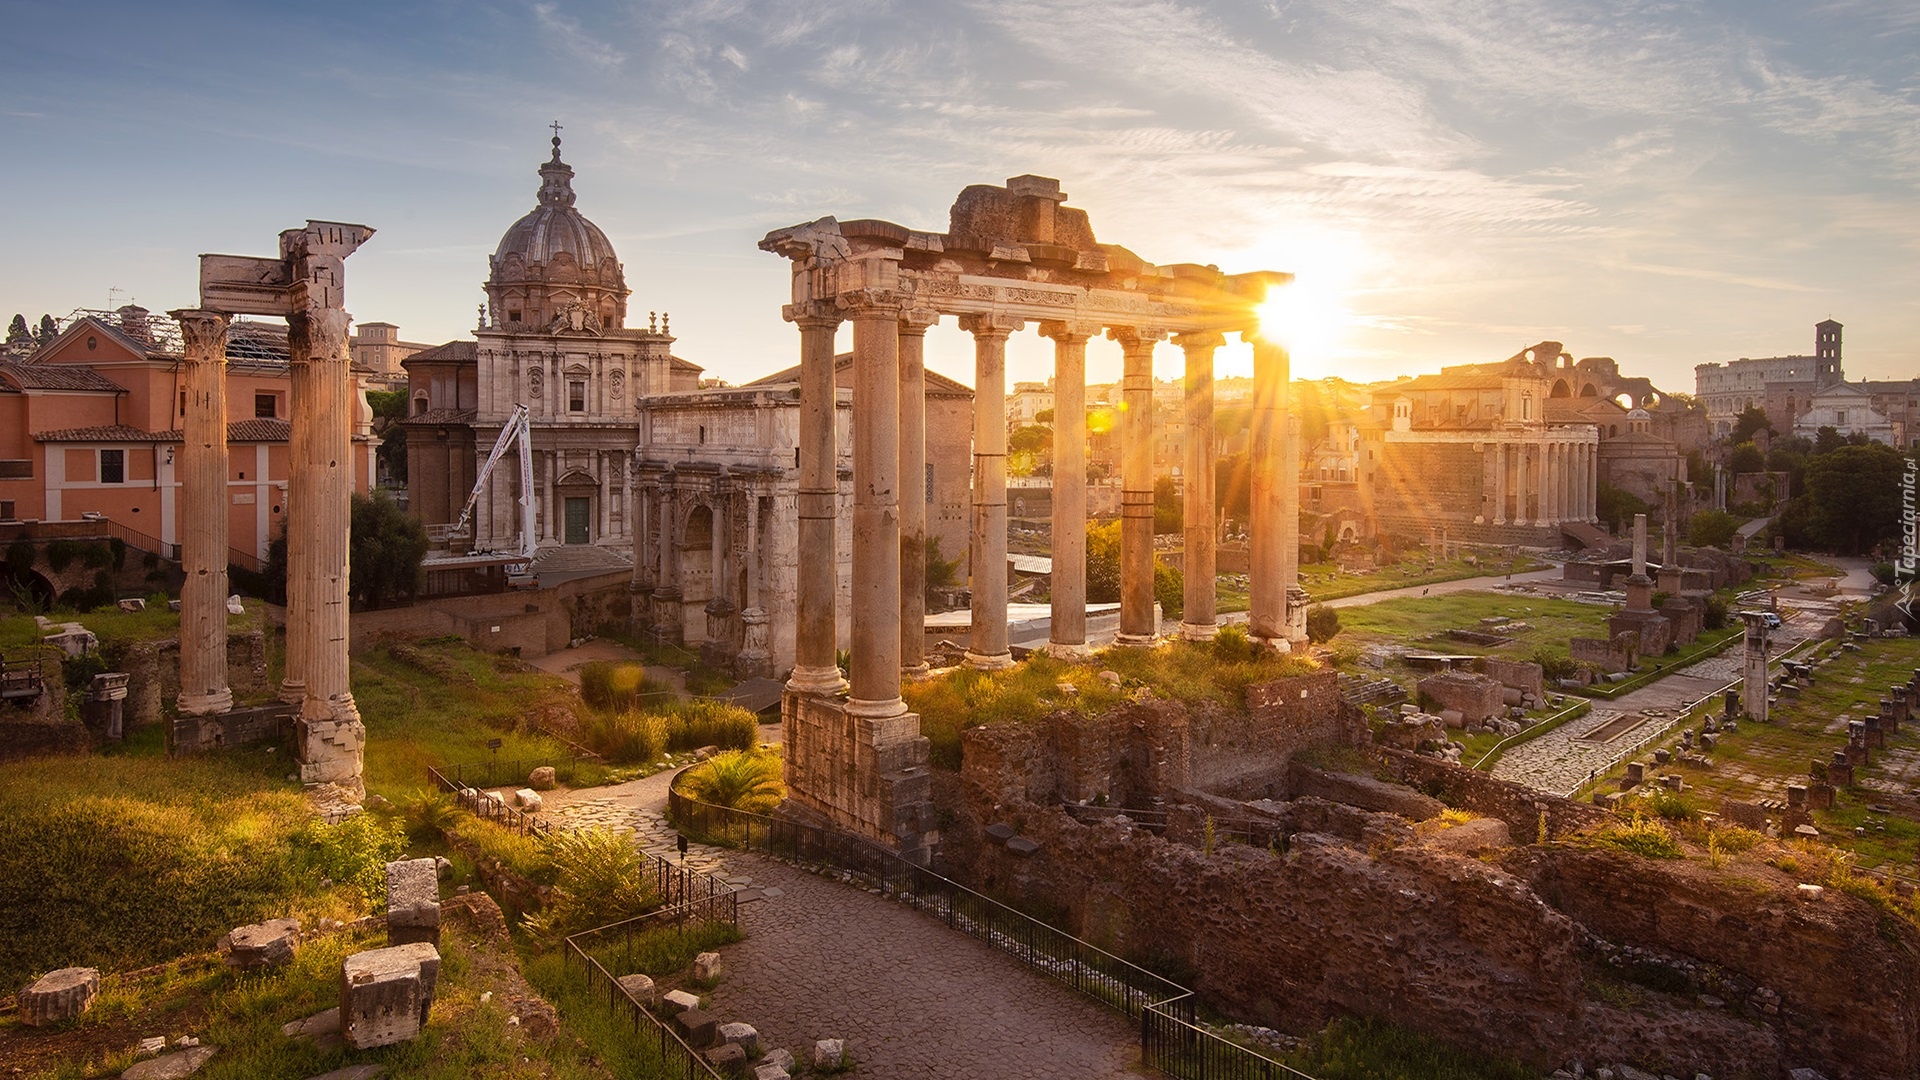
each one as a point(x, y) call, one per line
point(577, 396)
point(6, 509)
point(113, 466)
point(183, 403)
point(929, 479)
point(263, 407)
point(1839, 418)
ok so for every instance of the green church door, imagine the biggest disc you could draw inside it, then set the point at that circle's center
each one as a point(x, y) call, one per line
point(577, 513)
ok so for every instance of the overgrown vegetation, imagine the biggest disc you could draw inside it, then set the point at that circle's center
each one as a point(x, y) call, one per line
point(1643, 836)
point(747, 780)
point(597, 880)
point(1370, 1049)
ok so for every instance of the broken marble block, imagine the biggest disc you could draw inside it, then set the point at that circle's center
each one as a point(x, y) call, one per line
point(385, 994)
point(742, 1035)
point(542, 778)
point(698, 1027)
point(170, 1066)
point(261, 945)
point(770, 1071)
point(678, 1001)
point(59, 995)
point(639, 988)
point(413, 902)
point(528, 799)
point(726, 1059)
point(706, 966)
point(829, 1053)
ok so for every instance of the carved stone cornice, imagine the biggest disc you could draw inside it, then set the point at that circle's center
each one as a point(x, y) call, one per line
point(872, 303)
point(1066, 331)
point(1202, 340)
point(992, 324)
point(915, 321)
point(1136, 337)
point(812, 314)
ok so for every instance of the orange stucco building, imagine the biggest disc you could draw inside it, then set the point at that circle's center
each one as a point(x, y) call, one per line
point(89, 424)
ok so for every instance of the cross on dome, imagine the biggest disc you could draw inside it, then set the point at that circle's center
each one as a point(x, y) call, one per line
point(556, 139)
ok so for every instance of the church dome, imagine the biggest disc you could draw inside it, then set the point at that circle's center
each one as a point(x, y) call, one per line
point(554, 268)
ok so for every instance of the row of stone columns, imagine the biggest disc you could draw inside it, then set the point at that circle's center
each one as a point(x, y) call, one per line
point(1559, 477)
point(889, 515)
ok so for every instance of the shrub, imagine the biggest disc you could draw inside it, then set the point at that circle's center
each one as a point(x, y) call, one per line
point(1673, 806)
point(356, 851)
point(61, 553)
point(1712, 528)
point(20, 556)
point(1323, 623)
point(698, 723)
point(608, 685)
point(1716, 614)
point(1170, 589)
point(1554, 665)
point(1233, 645)
point(597, 879)
point(1734, 839)
point(626, 737)
point(740, 779)
point(1642, 836)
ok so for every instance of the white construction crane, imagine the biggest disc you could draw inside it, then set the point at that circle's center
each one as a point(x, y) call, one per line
point(516, 429)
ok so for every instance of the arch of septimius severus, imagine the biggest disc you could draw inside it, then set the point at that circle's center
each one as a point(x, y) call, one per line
point(305, 285)
point(1011, 256)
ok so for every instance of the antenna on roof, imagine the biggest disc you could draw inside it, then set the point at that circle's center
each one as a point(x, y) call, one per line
point(112, 292)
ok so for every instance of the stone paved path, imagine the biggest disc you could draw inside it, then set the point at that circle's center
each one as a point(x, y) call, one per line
point(913, 999)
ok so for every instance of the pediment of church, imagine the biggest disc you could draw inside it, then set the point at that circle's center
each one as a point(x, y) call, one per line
point(578, 478)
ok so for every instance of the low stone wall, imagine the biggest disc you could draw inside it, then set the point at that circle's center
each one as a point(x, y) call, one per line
point(867, 776)
point(153, 674)
point(1474, 697)
point(529, 622)
point(1522, 675)
point(1470, 789)
point(1618, 654)
point(200, 734)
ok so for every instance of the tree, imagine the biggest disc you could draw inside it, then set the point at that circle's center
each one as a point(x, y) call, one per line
point(1852, 501)
point(17, 332)
point(1103, 563)
point(1617, 506)
point(1827, 440)
point(1747, 458)
point(1233, 485)
point(1712, 528)
point(1751, 421)
point(1044, 416)
point(385, 551)
point(1323, 623)
point(1167, 503)
point(389, 409)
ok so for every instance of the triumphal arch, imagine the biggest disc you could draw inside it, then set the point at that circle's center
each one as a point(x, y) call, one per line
point(1011, 256)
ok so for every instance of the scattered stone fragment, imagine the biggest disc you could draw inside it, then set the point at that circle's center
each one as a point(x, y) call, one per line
point(1022, 846)
point(831, 1053)
point(354, 1072)
point(385, 994)
point(413, 902)
point(59, 995)
point(1805, 1074)
point(442, 867)
point(639, 988)
point(768, 1071)
point(318, 1026)
point(153, 1045)
point(1809, 893)
point(678, 1001)
point(541, 779)
point(780, 1058)
point(261, 945)
point(170, 1066)
point(528, 799)
point(706, 966)
point(743, 1035)
point(698, 1027)
point(726, 1057)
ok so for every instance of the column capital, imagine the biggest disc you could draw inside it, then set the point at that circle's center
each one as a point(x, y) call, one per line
point(992, 324)
point(812, 314)
point(1067, 332)
point(872, 303)
point(1200, 339)
point(1134, 337)
point(204, 333)
point(916, 321)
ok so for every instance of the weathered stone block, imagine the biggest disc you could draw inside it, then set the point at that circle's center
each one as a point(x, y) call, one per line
point(638, 987)
point(706, 966)
point(678, 1001)
point(1475, 697)
point(542, 778)
point(769, 1071)
point(744, 1035)
point(171, 1066)
point(698, 1027)
point(829, 1053)
point(59, 995)
point(726, 1058)
point(267, 944)
point(385, 994)
point(528, 799)
point(780, 1058)
point(413, 902)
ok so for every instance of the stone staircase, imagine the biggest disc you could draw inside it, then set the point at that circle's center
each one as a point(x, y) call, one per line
point(1357, 690)
point(1589, 537)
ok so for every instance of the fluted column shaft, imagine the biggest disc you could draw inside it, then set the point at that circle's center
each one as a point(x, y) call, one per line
point(202, 513)
point(1198, 598)
point(876, 511)
point(815, 669)
point(1267, 590)
point(1068, 637)
point(1136, 486)
point(324, 407)
point(987, 558)
point(913, 490)
point(1499, 452)
point(1290, 524)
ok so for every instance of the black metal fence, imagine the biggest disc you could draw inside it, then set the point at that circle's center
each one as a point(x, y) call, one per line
point(1171, 1039)
point(501, 772)
point(483, 805)
point(675, 1056)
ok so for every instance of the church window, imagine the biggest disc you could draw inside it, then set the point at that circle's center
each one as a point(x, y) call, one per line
point(419, 404)
point(113, 466)
point(1839, 419)
point(577, 395)
point(264, 406)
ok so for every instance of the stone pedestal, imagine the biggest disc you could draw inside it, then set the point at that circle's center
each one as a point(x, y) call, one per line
point(106, 701)
point(58, 995)
point(386, 994)
point(262, 945)
point(413, 902)
point(865, 775)
point(756, 657)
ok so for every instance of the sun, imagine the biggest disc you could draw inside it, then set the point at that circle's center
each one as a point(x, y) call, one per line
point(1310, 316)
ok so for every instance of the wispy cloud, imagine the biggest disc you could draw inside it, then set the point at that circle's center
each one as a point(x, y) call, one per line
point(567, 34)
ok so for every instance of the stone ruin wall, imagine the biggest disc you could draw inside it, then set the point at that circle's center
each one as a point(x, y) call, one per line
point(1360, 916)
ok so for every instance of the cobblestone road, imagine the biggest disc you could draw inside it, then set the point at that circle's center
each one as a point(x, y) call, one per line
point(913, 999)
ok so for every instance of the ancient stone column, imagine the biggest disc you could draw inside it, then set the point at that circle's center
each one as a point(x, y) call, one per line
point(1753, 687)
point(202, 513)
point(756, 655)
point(987, 559)
point(640, 587)
point(1290, 532)
point(669, 621)
point(876, 507)
point(1267, 599)
point(331, 736)
point(1499, 452)
point(913, 490)
point(1068, 637)
point(1197, 600)
point(1136, 484)
point(815, 670)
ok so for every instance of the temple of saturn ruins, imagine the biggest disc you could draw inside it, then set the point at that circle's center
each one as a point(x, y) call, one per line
point(305, 286)
point(1011, 256)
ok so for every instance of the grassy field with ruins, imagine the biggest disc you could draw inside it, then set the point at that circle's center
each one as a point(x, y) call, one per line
point(1421, 622)
point(1758, 761)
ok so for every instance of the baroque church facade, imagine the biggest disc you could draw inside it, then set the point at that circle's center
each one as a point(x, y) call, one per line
point(636, 467)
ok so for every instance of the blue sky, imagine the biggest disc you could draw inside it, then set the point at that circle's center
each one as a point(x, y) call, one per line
point(1666, 183)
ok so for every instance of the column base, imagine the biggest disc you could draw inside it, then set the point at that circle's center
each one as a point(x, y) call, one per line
point(827, 682)
point(753, 666)
point(330, 751)
point(293, 691)
point(876, 710)
point(1277, 644)
point(1134, 641)
point(1198, 631)
point(207, 704)
point(1069, 650)
point(916, 672)
point(995, 662)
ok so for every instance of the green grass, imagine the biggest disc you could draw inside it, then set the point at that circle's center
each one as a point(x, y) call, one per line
point(1407, 620)
point(1369, 1049)
point(1325, 581)
point(115, 627)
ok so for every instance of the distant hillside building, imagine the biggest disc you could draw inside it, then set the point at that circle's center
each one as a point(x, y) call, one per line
point(376, 346)
point(1783, 386)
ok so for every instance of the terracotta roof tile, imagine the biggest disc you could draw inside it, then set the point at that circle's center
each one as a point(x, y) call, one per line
point(57, 377)
point(105, 433)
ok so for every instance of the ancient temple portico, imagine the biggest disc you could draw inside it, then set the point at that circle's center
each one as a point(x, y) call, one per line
point(1012, 257)
point(305, 285)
